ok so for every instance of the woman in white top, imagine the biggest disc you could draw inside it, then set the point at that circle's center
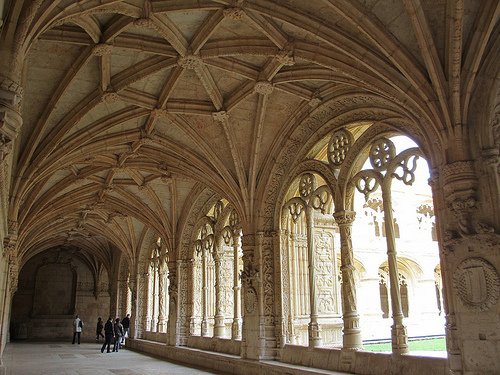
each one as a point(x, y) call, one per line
point(77, 329)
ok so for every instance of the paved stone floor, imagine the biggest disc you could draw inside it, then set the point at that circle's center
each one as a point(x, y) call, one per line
point(85, 359)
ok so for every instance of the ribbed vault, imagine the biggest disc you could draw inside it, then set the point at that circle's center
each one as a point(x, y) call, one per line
point(133, 108)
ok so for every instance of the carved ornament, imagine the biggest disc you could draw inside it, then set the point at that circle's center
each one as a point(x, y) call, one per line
point(109, 97)
point(102, 49)
point(234, 13)
point(344, 217)
point(10, 91)
point(190, 62)
point(477, 284)
point(220, 116)
point(285, 57)
point(263, 87)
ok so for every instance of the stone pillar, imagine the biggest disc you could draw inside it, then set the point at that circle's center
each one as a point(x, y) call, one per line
point(172, 327)
point(352, 332)
point(470, 267)
point(132, 284)
point(219, 326)
point(266, 245)
point(124, 296)
point(236, 326)
point(398, 329)
point(204, 295)
point(162, 273)
point(250, 344)
point(142, 303)
point(182, 305)
point(313, 327)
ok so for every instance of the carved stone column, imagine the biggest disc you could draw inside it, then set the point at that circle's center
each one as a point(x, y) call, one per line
point(313, 327)
point(470, 268)
point(250, 343)
point(142, 302)
point(236, 326)
point(172, 324)
point(124, 296)
point(132, 284)
point(153, 297)
point(10, 125)
point(219, 326)
point(182, 305)
point(352, 332)
point(162, 273)
point(204, 291)
point(398, 329)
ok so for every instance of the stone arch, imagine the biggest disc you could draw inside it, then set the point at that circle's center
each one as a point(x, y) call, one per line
point(313, 128)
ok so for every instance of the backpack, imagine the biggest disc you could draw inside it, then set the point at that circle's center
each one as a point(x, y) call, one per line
point(80, 324)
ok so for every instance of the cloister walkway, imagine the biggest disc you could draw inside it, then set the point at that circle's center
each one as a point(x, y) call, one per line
point(50, 358)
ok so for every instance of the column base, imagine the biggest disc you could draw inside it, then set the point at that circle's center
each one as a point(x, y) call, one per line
point(314, 335)
point(399, 339)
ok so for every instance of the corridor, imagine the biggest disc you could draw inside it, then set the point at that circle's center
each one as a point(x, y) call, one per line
point(23, 358)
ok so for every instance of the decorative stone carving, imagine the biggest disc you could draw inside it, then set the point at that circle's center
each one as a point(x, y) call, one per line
point(234, 13)
point(190, 62)
point(159, 113)
point(382, 152)
point(314, 102)
point(109, 97)
point(340, 143)
point(220, 116)
point(10, 92)
point(102, 49)
point(143, 22)
point(285, 57)
point(477, 284)
point(5, 147)
point(263, 87)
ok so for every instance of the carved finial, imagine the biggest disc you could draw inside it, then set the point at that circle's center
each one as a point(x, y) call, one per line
point(190, 62)
point(220, 116)
point(263, 87)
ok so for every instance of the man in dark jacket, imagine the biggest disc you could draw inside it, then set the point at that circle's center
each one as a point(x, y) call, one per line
point(109, 333)
point(126, 327)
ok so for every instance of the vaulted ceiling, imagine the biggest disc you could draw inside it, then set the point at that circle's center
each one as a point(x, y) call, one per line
point(132, 108)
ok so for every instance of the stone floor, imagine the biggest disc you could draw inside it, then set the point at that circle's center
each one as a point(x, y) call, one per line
point(25, 358)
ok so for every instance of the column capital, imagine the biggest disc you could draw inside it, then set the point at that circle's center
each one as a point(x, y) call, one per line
point(344, 217)
point(11, 93)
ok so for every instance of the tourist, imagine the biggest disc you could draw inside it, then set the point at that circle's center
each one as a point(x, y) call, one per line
point(126, 327)
point(118, 334)
point(109, 333)
point(77, 329)
point(98, 330)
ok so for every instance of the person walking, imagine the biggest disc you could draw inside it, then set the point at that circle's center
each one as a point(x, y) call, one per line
point(98, 329)
point(109, 333)
point(77, 329)
point(118, 334)
point(126, 327)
